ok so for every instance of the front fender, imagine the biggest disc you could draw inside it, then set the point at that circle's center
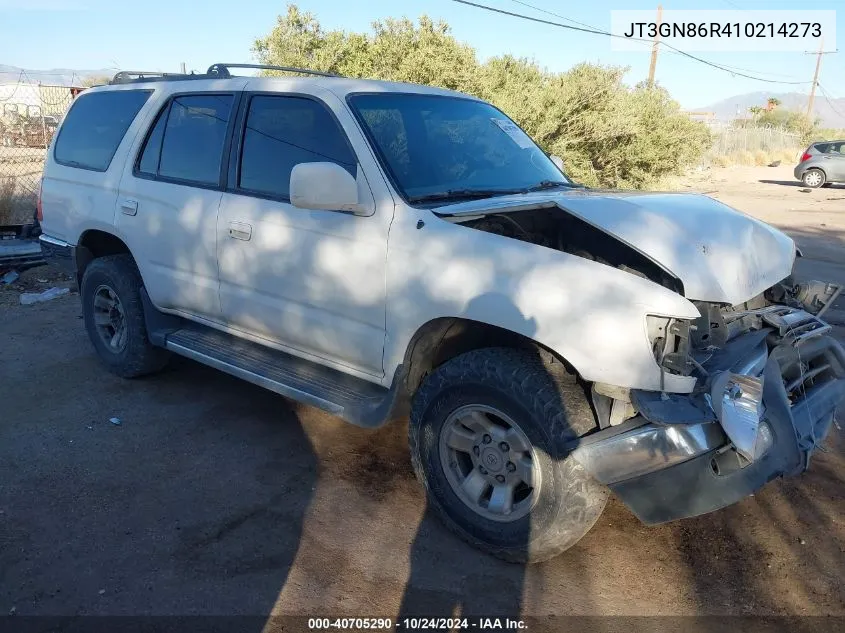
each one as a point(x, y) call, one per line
point(591, 314)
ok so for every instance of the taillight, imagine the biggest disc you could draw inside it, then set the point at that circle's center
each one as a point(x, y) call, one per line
point(39, 213)
point(805, 156)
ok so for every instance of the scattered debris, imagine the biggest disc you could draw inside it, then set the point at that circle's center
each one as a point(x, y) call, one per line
point(805, 190)
point(28, 298)
point(803, 542)
point(101, 591)
point(89, 427)
point(775, 163)
point(41, 281)
point(10, 277)
point(13, 611)
point(115, 421)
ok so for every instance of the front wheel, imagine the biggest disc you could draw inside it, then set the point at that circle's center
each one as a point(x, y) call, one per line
point(488, 438)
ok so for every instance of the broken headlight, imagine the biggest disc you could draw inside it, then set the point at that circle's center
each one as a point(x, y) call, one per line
point(737, 401)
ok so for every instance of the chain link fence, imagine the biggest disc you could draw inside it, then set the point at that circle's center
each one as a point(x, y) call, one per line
point(29, 116)
point(753, 145)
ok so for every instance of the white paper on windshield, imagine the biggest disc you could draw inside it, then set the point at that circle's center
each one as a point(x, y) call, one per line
point(517, 136)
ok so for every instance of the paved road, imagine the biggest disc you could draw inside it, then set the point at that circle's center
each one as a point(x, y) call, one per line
point(214, 496)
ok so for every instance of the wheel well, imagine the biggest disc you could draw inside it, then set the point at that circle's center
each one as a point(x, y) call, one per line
point(442, 339)
point(93, 244)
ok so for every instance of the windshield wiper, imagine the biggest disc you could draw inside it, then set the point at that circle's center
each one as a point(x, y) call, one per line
point(548, 184)
point(463, 194)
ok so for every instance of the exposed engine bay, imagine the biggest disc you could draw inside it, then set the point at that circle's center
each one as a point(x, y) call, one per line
point(567, 233)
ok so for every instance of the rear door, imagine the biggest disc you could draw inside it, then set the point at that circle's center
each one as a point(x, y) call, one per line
point(169, 198)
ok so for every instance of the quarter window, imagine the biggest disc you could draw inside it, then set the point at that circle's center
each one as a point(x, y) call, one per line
point(95, 125)
point(281, 132)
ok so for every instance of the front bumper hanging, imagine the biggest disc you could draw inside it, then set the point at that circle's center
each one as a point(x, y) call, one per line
point(688, 454)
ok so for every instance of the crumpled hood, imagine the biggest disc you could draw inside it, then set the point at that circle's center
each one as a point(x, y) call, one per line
point(720, 254)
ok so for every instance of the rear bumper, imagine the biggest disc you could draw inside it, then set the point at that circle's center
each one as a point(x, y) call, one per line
point(798, 172)
point(59, 254)
point(666, 471)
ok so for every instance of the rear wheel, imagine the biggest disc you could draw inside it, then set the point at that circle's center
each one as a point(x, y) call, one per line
point(114, 317)
point(488, 438)
point(813, 178)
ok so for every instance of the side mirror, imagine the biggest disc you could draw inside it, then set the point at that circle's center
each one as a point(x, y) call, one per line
point(325, 186)
point(558, 161)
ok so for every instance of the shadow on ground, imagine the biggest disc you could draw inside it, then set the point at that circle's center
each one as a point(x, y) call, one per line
point(798, 183)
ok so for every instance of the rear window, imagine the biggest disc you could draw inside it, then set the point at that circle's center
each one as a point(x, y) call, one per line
point(186, 143)
point(95, 126)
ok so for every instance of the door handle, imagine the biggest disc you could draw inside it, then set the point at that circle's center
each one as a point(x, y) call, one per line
point(240, 231)
point(129, 207)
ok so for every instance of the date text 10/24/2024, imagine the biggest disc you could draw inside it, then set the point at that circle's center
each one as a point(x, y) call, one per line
point(417, 624)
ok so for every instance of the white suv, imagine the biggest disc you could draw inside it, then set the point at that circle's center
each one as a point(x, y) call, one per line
point(385, 251)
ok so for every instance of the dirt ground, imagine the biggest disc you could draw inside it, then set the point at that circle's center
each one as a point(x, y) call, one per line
point(216, 497)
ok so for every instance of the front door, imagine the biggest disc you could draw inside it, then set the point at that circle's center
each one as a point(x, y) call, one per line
point(311, 281)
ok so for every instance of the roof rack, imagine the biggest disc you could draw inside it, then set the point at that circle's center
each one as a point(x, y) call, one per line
point(131, 76)
point(222, 70)
point(215, 71)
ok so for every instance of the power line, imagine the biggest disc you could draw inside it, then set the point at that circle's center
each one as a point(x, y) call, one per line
point(595, 31)
point(827, 98)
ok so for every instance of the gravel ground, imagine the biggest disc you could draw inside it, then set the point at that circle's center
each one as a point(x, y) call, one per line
point(213, 496)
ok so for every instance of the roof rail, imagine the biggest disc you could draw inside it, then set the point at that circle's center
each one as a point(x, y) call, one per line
point(132, 76)
point(222, 70)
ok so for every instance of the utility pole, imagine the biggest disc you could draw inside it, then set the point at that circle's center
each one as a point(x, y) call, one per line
point(183, 68)
point(815, 76)
point(653, 65)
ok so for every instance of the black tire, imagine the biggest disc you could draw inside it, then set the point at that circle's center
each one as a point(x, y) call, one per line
point(552, 409)
point(814, 175)
point(827, 184)
point(136, 356)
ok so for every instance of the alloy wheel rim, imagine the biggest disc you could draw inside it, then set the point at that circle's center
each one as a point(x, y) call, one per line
point(489, 462)
point(109, 318)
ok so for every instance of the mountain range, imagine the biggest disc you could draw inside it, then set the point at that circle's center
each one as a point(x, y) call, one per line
point(830, 111)
point(51, 77)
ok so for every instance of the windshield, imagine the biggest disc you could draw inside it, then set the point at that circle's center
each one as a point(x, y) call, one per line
point(439, 148)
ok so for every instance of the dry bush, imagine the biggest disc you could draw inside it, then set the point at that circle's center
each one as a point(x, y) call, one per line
point(761, 158)
point(7, 200)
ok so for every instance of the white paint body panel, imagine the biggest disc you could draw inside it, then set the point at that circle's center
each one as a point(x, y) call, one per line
point(591, 314)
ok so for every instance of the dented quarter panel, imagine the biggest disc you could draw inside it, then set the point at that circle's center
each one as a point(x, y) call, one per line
point(591, 314)
point(720, 254)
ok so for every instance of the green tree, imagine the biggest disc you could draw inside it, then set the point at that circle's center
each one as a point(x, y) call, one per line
point(607, 133)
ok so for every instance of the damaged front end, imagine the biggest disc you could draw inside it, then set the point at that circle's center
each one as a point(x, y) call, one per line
point(769, 380)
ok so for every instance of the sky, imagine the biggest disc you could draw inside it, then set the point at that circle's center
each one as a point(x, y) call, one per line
point(159, 34)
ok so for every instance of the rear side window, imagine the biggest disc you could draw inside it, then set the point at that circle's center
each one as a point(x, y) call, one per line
point(186, 142)
point(281, 132)
point(94, 127)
